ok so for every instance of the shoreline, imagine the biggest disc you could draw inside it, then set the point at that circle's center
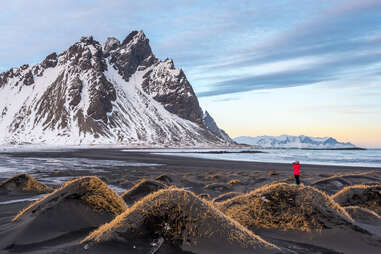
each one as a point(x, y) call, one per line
point(120, 154)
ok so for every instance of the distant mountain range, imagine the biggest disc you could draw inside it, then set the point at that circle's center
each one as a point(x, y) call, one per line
point(286, 141)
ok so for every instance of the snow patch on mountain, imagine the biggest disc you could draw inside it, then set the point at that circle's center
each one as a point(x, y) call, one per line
point(286, 141)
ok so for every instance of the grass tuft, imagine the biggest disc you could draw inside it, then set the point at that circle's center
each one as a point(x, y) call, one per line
point(178, 216)
point(89, 189)
point(25, 182)
point(234, 181)
point(285, 206)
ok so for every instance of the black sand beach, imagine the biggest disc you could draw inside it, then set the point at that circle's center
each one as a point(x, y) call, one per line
point(206, 178)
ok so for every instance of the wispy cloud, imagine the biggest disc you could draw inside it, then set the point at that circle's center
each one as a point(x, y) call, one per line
point(345, 39)
point(224, 47)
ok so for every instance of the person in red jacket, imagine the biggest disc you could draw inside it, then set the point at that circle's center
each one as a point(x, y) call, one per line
point(296, 167)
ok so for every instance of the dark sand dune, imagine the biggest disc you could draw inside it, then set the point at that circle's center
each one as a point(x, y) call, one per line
point(364, 215)
point(23, 183)
point(220, 187)
point(183, 220)
point(142, 189)
point(285, 206)
point(367, 196)
point(335, 183)
point(77, 207)
point(304, 216)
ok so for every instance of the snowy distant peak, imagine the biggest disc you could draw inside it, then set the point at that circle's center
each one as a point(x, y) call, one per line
point(286, 141)
point(212, 126)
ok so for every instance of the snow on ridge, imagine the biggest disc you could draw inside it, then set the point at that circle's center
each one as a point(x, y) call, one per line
point(286, 141)
point(101, 94)
point(143, 112)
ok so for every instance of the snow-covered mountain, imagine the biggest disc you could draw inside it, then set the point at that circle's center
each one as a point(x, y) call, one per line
point(118, 92)
point(286, 141)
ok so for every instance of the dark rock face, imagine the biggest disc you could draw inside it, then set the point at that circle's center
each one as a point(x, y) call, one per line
point(171, 88)
point(87, 56)
point(133, 52)
point(13, 73)
point(179, 97)
point(110, 44)
point(75, 91)
point(102, 94)
point(50, 61)
point(211, 125)
point(28, 79)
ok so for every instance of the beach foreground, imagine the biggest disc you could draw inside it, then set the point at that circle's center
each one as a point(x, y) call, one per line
point(174, 204)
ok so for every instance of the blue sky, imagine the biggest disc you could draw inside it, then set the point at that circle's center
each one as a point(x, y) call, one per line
point(260, 67)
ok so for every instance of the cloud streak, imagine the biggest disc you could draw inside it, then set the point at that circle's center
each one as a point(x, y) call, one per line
point(224, 47)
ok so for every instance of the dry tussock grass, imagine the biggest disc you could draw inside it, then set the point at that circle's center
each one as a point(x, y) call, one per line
point(225, 196)
point(286, 207)
point(89, 189)
point(101, 198)
point(234, 181)
point(273, 173)
point(205, 196)
point(212, 176)
point(366, 196)
point(27, 183)
point(179, 216)
point(218, 186)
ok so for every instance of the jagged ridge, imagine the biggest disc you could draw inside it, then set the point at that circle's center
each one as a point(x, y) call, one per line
point(93, 93)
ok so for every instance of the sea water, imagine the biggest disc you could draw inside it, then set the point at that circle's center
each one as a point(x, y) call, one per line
point(364, 158)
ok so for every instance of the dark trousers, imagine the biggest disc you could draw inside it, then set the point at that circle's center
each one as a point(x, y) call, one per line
point(297, 179)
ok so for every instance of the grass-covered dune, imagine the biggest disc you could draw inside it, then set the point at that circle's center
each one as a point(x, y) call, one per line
point(366, 196)
point(81, 204)
point(23, 183)
point(142, 189)
point(182, 218)
point(287, 207)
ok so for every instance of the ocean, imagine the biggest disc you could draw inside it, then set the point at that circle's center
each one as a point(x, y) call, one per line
point(364, 158)
point(10, 165)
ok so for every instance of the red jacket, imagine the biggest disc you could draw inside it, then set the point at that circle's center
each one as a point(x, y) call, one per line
point(296, 168)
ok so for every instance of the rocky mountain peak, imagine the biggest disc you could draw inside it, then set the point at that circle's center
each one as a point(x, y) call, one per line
point(134, 51)
point(87, 39)
point(93, 93)
point(111, 44)
point(134, 37)
point(50, 61)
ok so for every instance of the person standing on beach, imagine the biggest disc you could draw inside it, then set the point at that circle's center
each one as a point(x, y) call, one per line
point(296, 167)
